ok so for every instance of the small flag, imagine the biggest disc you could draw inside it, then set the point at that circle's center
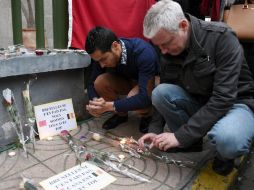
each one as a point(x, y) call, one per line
point(42, 123)
point(94, 174)
point(99, 172)
point(70, 115)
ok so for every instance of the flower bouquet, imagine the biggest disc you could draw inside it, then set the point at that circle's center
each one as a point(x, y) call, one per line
point(102, 159)
point(11, 108)
point(29, 112)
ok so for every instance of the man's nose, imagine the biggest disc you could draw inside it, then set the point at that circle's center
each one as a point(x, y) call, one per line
point(102, 65)
point(163, 50)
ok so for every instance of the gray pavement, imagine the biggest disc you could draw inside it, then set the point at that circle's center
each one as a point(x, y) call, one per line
point(53, 157)
point(245, 180)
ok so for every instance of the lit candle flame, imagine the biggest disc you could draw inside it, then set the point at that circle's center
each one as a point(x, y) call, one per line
point(123, 141)
point(49, 138)
point(121, 156)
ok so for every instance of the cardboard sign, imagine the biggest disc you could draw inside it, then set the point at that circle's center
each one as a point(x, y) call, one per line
point(54, 117)
point(84, 177)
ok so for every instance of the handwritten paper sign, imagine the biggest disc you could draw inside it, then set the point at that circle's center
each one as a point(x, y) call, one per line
point(84, 177)
point(54, 117)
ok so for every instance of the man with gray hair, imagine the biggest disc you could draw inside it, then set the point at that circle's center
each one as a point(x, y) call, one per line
point(206, 86)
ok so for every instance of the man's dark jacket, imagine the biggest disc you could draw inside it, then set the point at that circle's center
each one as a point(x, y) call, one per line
point(214, 72)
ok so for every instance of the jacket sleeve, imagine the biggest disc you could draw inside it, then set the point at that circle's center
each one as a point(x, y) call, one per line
point(228, 57)
point(96, 71)
point(147, 65)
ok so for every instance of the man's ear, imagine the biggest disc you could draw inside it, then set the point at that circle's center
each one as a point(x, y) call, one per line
point(184, 24)
point(115, 46)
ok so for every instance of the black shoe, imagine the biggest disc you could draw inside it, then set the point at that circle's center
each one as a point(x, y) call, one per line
point(223, 167)
point(196, 147)
point(144, 124)
point(114, 121)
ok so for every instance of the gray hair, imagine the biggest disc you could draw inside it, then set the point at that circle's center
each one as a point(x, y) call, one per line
point(165, 14)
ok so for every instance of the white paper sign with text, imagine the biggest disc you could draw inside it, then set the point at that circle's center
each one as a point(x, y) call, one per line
point(84, 177)
point(52, 118)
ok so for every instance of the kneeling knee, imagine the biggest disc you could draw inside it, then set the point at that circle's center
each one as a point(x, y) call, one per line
point(157, 95)
point(228, 146)
point(162, 91)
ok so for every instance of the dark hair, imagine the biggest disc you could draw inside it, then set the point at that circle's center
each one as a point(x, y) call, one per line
point(100, 38)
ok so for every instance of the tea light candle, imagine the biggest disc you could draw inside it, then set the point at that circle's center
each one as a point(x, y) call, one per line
point(50, 138)
point(96, 137)
point(121, 157)
point(12, 153)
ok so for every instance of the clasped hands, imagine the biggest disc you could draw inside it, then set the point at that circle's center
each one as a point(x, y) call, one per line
point(163, 141)
point(98, 106)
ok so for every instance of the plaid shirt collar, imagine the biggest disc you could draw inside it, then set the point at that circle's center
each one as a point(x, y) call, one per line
point(124, 53)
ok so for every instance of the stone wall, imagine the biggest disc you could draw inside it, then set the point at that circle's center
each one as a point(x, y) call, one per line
point(58, 77)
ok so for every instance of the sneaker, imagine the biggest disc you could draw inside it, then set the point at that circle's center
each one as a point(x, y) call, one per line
point(144, 124)
point(196, 147)
point(114, 121)
point(223, 167)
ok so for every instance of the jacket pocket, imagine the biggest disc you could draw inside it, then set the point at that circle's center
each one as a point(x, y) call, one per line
point(203, 72)
point(203, 67)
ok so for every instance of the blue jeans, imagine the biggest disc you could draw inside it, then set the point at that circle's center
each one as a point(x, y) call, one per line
point(232, 135)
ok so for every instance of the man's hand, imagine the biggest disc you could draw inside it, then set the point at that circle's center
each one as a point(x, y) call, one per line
point(149, 137)
point(165, 141)
point(98, 106)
